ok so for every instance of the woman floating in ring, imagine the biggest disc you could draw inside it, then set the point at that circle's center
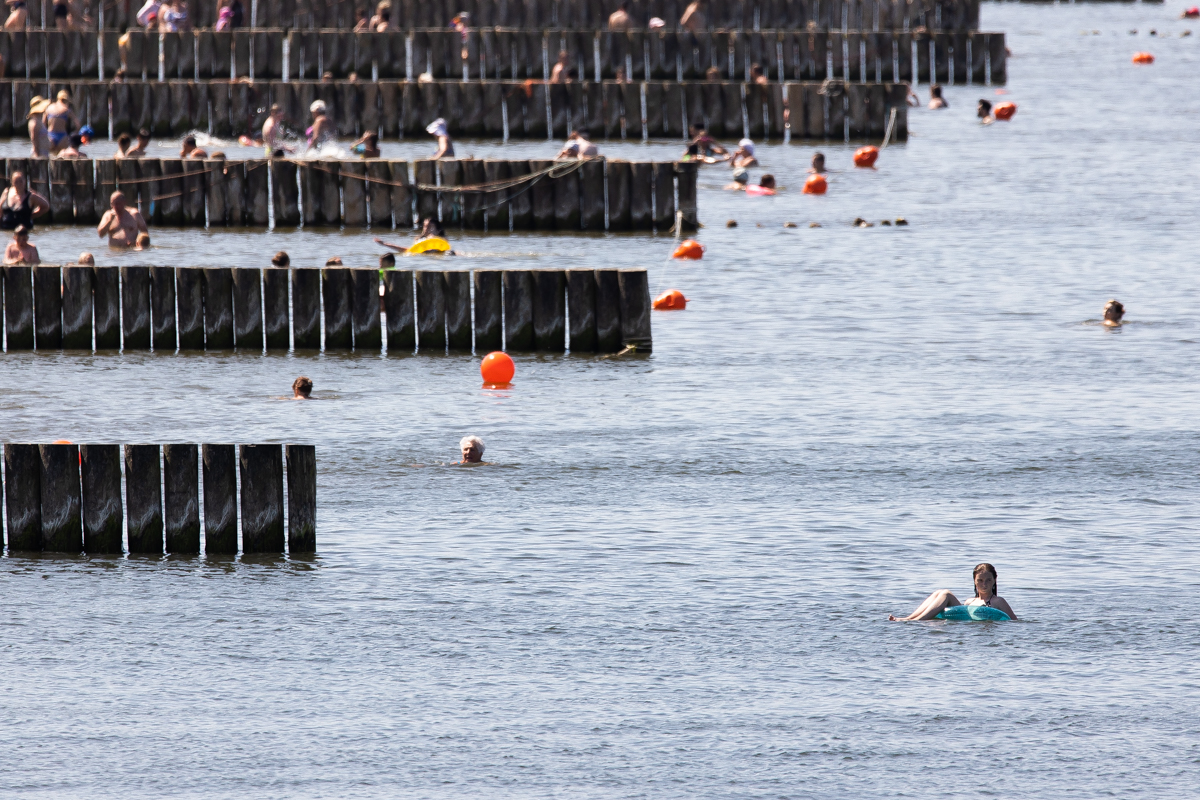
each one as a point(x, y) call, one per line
point(985, 595)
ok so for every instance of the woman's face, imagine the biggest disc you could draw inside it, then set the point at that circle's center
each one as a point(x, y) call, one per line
point(985, 584)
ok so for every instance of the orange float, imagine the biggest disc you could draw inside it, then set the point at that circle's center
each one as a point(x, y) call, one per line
point(866, 156)
point(497, 368)
point(690, 249)
point(1192, 13)
point(815, 185)
point(672, 300)
point(1004, 110)
point(1143, 58)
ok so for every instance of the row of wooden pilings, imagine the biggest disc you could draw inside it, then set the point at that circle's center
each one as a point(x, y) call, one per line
point(589, 195)
point(68, 498)
point(834, 110)
point(495, 54)
point(733, 14)
point(427, 311)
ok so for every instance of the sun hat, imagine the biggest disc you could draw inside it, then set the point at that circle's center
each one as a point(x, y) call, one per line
point(317, 107)
point(747, 145)
point(741, 175)
point(437, 128)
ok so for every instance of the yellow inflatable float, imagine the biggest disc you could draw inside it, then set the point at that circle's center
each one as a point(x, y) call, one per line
point(434, 244)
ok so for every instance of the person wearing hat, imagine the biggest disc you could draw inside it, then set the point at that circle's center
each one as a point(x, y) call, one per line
point(743, 157)
point(438, 129)
point(18, 16)
point(120, 224)
point(322, 129)
point(39, 137)
point(741, 177)
point(19, 250)
point(60, 120)
point(19, 205)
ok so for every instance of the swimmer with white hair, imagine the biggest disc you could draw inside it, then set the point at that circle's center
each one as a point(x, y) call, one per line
point(743, 157)
point(472, 450)
point(322, 129)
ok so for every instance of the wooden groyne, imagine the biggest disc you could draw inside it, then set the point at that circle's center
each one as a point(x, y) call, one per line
point(729, 14)
point(870, 54)
point(68, 498)
point(594, 194)
point(274, 310)
point(834, 110)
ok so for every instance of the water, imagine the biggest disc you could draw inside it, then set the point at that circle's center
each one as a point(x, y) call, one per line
point(674, 579)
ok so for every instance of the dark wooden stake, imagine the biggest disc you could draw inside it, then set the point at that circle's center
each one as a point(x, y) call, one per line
point(581, 309)
point(302, 498)
point(275, 308)
point(182, 507)
point(488, 321)
point(143, 498)
point(103, 512)
point(364, 289)
point(549, 310)
point(335, 294)
point(262, 498)
point(608, 311)
point(518, 310)
point(431, 311)
point(47, 307)
point(247, 309)
point(62, 523)
point(189, 296)
point(220, 499)
point(218, 308)
point(458, 309)
point(23, 496)
point(106, 299)
point(77, 308)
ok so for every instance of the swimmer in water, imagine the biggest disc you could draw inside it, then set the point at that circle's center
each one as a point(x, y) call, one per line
point(430, 229)
point(985, 595)
point(1113, 311)
point(984, 112)
point(322, 130)
point(818, 164)
point(472, 450)
point(936, 100)
point(302, 388)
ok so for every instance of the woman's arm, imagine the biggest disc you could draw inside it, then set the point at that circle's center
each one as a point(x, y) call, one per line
point(1000, 603)
point(40, 204)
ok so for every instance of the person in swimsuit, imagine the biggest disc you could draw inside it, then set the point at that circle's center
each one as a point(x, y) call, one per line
point(1113, 311)
point(39, 137)
point(936, 100)
point(272, 133)
point(302, 388)
point(322, 129)
point(743, 157)
point(120, 224)
point(19, 205)
point(438, 129)
point(189, 149)
point(18, 16)
point(19, 250)
point(60, 120)
point(367, 146)
point(985, 595)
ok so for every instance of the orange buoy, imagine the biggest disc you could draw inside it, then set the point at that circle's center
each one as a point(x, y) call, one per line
point(497, 368)
point(815, 185)
point(1143, 58)
point(672, 300)
point(1004, 110)
point(62, 441)
point(689, 248)
point(1192, 13)
point(866, 156)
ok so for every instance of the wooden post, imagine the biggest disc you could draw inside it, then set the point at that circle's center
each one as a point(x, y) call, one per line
point(106, 300)
point(549, 309)
point(247, 309)
point(62, 181)
point(581, 309)
point(218, 214)
point(235, 194)
point(218, 308)
point(135, 308)
point(286, 194)
point(458, 309)
point(380, 190)
point(329, 210)
point(566, 201)
point(258, 204)
point(431, 311)
point(641, 192)
point(193, 192)
point(354, 194)
point(488, 328)
point(162, 308)
point(182, 507)
point(77, 308)
point(543, 197)
point(62, 523)
point(170, 192)
point(520, 198)
point(275, 308)
point(18, 307)
point(189, 296)
point(608, 311)
point(619, 181)
point(23, 496)
point(398, 305)
point(47, 304)
point(451, 202)
point(664, 196)
point(335, 290)
point(635, 309)
point(364, 290)
point(306, 309)
point(473, 174)
point(262, 498)
point(150, 192)
point(591, 194)
point(402, 206)
point(143, 498)
point(302, 498)
point(518, 310)
point(220, 499)
point(103, 513)
point(495, 209)
point(686, 174)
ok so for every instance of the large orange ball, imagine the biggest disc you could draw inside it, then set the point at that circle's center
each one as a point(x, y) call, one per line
point(1004, 110)
point(1143, 58)
point(865, 156)
point(690, 249)
point(497, 368)
point(815, 185)
point(671, 300)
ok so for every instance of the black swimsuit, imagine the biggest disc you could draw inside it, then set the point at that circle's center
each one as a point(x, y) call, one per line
point(22, 214)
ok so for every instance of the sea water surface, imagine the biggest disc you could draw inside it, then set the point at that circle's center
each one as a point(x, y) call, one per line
point(673, 579)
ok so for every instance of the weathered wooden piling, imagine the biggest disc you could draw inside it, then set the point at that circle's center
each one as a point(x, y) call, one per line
point(275, 308)
point(135, 308)
point(620, 177)
point(364, 290)
point(106, 300)
point(189, 297)
point(62, 522)
point(77, 308)
point(431, 311)
point(47, 304)
point(398, 305)
point(218, 308)
point(543, 195)
point(488, 311)
point(103, 512)
point(581, 309)
point(664, 196)
point(458, 309)
point(591, 195)
point(18, 307)
point(143, 498)
point(262, 498)
point(635, 309)
point(608, 311)
point(518, 310)
point(23, 496)
point(181, 518)
point(220, 499)
point(302, 498)
point(247, 309)
point(162, 308)
point(306, 309)
point(335, 291)
point(549, 310)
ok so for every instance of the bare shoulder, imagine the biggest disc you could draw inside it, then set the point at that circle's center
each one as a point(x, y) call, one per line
point(1002, 604)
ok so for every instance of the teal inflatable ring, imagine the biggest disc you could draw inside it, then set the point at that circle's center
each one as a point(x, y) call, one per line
point(976, 613)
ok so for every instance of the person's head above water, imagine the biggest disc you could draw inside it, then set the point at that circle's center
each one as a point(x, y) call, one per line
point(935, 91)
point(985, 581)
point(302, 388)
point(1113, 311)
point(281, 259)
point(387, 261)
point(472, 449)
point(767, 181)
point(984, 109)
point(87, 259)
point(818, 162)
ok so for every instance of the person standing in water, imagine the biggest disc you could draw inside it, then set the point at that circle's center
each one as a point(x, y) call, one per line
point(936, 100)
point(985, 595)
point(818, 164)
point(39, 137)
point(322, 130)
point(20, 250)
point(19, 205)
point(1114, 310)
point(120, 224)
point(438, 130)
point(60, 120)
point(302, 388)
